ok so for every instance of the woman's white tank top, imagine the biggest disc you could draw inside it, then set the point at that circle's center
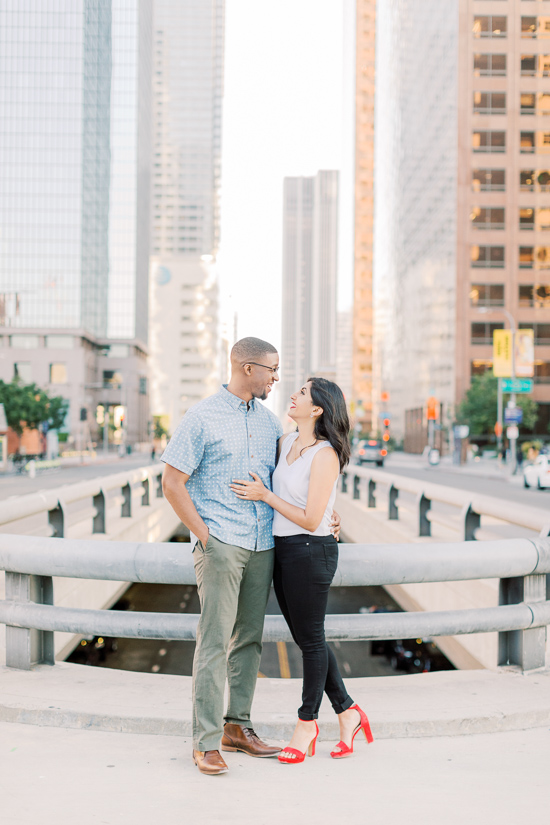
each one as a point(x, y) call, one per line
point(291, 483)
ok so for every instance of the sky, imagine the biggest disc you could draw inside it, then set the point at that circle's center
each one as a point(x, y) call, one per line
point(284, 109)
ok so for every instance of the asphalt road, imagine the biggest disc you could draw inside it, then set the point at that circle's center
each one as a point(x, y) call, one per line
point(14, 484)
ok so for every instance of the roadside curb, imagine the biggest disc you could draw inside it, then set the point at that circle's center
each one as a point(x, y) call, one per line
point(447, 703)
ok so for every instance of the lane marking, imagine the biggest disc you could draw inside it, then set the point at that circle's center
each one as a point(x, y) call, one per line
point(284, 667)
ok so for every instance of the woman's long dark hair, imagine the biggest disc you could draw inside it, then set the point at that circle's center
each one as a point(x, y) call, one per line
point(333, 424)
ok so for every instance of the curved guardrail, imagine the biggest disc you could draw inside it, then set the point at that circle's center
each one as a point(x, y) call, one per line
point(521, 565)
point(472, 506)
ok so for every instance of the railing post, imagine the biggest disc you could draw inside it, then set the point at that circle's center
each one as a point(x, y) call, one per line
point(424, 524)
point(524, 648)
point(145, 497)
point(371, 493)
point(470, 523)
point(24, 647)
point(126, 510)
point(344, 482)
point(356, 487)
point(160, 494)
point(100, 519)
point(56, 518)
point(393, 510)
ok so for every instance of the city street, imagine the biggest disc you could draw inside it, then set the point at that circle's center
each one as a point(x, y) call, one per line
point(14, 484)
point(278, 659)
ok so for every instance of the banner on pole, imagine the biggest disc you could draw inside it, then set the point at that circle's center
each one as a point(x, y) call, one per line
point(502, 353)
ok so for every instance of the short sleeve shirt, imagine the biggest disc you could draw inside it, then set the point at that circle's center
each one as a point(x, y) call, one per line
point(217, 441)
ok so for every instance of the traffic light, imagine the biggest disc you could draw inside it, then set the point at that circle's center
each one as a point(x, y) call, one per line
point(386, 433)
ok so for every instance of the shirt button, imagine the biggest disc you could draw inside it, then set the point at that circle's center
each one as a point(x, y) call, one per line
point(251, 456)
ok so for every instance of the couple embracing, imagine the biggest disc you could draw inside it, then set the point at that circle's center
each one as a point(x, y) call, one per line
point(259, 505)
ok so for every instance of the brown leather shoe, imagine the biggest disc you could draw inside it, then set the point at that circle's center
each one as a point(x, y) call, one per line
point(209, 762)
point(239, 738)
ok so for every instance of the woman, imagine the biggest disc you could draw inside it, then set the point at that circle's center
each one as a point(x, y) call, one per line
point(306, 554)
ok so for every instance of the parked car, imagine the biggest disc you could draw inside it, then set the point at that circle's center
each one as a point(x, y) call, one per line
point(370, 450)
point(416, 656)
point(537, 474)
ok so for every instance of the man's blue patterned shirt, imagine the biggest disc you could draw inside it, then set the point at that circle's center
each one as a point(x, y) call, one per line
point(218, 440)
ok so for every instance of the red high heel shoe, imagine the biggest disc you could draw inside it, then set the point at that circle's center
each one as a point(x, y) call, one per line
point(364, 726)
point(299, 756)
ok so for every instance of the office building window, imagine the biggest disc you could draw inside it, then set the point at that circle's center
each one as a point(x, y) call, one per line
point(59, 341)
point(112, 378)
point(490, 103)
point(142, 385)
point(489, 65)
point(534, 257)
point(487, 257)
point(534, 295)
point(24, 341)
point(534, 103)
point(480, 367)
point(542, 372)
point(22, 372)
point(487, 295)
point(534, 219)
point(58, 373)
point(537, 26)
point(487, 217)
point(535, 180)
point(535, 65)
point(488, 180)
point(534, 142)
point(490, 142)
point(482, 332)
point(489, 25)
point(541, 332)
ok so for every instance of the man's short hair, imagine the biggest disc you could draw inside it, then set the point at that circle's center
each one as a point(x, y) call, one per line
point(251, 349)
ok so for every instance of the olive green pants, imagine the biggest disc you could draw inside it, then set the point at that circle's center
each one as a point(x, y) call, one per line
point(233, 586)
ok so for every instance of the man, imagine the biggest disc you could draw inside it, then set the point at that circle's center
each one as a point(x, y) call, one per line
point(218, 440)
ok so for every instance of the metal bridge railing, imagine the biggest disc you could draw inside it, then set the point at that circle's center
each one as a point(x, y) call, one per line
point(521, 618)
point(471, 506)
point(84, 508)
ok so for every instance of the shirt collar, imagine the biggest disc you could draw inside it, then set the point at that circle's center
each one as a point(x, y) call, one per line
point(234, 400)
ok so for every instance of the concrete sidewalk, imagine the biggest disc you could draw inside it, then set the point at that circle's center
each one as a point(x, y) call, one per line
point(55, 776)
point(447, 703)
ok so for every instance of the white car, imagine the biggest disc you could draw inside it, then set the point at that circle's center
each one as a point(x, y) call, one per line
point(537, 474)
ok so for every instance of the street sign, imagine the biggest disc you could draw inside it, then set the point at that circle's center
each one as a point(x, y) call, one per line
point(517, 385)
point(513, 415)
point(461, 431)
point(512, 433)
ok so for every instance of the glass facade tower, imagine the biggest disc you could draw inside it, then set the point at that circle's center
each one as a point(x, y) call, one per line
point(75, 82)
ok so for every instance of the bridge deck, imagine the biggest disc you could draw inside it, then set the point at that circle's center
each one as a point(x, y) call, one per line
point(57, 776)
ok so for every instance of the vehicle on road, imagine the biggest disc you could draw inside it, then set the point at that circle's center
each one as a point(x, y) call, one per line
point(370, 450)
point(415, 656)
point(537, 474)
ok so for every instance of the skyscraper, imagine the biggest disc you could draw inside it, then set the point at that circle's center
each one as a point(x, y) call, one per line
point(187, 94)
point(310, 233)
point(75, 84)
point(461, 195)
point(363, 331)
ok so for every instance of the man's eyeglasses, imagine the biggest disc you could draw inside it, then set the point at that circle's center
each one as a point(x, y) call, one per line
point(273, 370)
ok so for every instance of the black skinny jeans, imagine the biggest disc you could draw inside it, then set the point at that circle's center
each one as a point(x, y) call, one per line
point(304, 569)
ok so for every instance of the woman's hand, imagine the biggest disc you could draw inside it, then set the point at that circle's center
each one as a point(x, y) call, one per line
point(250, 490)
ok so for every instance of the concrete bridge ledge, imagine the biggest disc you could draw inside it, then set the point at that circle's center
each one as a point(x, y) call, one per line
point(447, 703)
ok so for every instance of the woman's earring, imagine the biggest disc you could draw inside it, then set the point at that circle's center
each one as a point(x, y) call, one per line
point(311, 415)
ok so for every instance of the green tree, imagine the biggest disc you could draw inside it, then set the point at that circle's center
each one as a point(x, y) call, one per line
point(27, 405)
point(478, 409)
point(158, 430)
